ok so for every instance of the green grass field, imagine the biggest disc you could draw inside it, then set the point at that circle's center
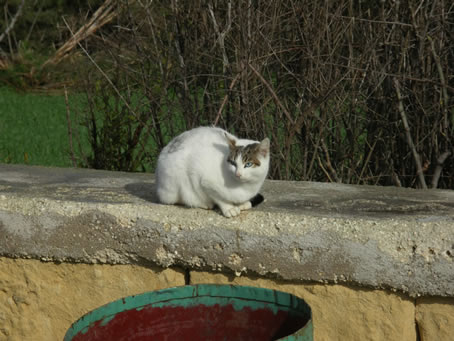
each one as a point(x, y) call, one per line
point(33, 128)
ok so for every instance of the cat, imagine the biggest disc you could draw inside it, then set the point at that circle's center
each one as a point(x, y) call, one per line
point(207, 167)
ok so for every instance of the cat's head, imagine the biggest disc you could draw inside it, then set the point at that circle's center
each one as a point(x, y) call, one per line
point(250, 162)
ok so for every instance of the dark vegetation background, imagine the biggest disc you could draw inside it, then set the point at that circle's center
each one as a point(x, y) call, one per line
point(348, 91)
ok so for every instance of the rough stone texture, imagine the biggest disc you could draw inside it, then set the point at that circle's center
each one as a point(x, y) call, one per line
point(39, 301)
point(341, 312)
point(435, 318)
point(377, 237)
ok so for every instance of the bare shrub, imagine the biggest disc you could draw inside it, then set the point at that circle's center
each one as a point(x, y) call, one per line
point(331, 83)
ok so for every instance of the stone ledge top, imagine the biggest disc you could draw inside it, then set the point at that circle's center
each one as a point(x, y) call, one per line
point(379, 237)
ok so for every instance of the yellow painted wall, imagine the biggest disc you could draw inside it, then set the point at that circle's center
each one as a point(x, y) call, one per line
point(40, 300)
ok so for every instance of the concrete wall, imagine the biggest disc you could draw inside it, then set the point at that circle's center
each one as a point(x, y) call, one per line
point(373, 263)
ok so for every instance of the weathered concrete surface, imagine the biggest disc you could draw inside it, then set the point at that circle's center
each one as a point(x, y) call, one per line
point(39, 301)
point(343, 313)
point(401, 239)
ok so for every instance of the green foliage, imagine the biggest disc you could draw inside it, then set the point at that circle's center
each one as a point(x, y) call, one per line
point(23, 71)
point(117, 126)
point(33, 128)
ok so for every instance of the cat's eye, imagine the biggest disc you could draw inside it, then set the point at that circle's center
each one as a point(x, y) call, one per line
point(248, 164)
point(233, 163)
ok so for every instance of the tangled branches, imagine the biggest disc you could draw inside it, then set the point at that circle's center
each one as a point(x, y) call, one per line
point(353, 92)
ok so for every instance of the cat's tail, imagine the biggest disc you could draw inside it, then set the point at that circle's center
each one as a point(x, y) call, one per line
point(257, 199)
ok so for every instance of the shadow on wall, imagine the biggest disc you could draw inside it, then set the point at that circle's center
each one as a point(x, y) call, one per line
point(147, 191)
point(143, 190)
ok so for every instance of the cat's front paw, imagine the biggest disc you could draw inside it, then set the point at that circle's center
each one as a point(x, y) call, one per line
point(245, 206)
point(231, 211)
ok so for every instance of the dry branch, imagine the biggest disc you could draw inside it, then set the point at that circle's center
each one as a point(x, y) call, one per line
point(437, 173)
point(416, 156)
point(13, 22)
point(104, 14)
point(444, 90)
point(271, 91)
point(70, 131)
point(118, 93)
point(221, 35)
point(328, 162)
point(224, 101)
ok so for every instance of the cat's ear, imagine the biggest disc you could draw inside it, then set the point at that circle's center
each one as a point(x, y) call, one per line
point(264, 147)
point(230, 141)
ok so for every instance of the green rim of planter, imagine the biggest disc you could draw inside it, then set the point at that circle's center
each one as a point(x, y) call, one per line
point(207, 294)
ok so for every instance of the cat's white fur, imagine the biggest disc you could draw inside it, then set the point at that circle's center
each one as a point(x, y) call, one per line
point(193, 170)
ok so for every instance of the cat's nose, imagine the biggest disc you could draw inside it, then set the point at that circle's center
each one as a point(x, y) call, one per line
point(238, 174)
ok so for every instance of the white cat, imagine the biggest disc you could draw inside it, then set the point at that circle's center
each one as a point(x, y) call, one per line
point(206, 167)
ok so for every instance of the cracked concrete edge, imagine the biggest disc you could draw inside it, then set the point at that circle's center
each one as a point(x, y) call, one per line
point(408, 254)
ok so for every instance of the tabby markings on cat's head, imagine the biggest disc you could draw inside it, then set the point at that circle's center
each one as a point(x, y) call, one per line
point(242, 158)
